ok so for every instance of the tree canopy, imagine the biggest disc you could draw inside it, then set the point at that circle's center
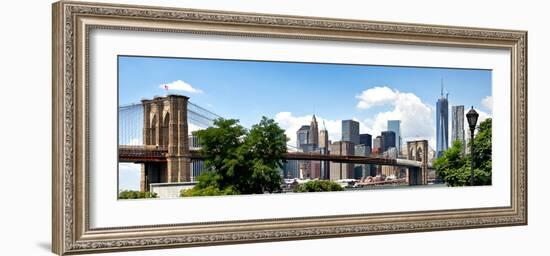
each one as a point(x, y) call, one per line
point(240, 161)
point(454, 167)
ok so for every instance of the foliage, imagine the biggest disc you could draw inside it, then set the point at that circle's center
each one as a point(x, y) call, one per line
point(241, 161)
point(132, 194)
point(454, 167)
point(318, 186)
point(208, 185)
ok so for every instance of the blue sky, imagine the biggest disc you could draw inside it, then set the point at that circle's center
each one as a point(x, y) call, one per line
point(246, 90)
point(291, 92)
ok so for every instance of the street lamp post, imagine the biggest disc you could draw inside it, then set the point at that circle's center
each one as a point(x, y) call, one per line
point(472, 116)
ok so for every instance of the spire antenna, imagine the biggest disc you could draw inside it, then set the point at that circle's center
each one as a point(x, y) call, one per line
point(441, 87)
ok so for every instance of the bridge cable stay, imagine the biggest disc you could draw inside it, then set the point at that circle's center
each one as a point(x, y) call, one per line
point(130, 122)
point(130, 125)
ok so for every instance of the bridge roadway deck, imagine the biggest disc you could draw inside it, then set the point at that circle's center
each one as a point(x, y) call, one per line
point(142, 154)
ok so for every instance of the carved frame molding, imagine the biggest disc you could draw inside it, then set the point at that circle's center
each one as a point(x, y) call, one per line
point(72, 22)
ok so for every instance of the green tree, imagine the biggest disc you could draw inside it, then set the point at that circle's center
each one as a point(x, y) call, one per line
point(318, 186)
point(263, 150)
point(482, 153)
point(240, 161)
point(455, 168)
point(208, 185)
point(133, 194)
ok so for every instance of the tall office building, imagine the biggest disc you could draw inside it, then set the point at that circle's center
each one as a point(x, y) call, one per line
point(323, 137)
point(395, 126)
point(197, 168)
point(365, 139)
point(388, 140)
point(457, 125)
point(467, 141)
point(324, 168)
point(194, 142)
point(387, 170)
point(362, 170)
point(377, 145)
point(341, 170)
point(314, 133)
point(324, 145)
point(291, 169)
point(442, 124)
point(302, 136)
point(350, 131)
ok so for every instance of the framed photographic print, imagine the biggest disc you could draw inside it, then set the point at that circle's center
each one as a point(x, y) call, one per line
point(179, 127)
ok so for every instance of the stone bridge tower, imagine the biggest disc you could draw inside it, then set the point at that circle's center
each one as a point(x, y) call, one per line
point(165, 127)
point(418, 151)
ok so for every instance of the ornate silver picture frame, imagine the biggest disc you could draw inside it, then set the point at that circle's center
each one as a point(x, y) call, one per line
point(74, 21)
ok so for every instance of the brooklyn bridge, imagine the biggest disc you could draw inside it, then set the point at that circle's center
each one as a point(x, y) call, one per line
point(155, 134)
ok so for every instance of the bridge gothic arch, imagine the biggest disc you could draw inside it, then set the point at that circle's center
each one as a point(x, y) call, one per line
point(165, 125)
point(418, 151)
point(165, 131)
point(153, 131)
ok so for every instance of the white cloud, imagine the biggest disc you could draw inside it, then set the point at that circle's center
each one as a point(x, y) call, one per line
point(291, 124)
point(180, 85)
point(376, 96)
point(487, 103)
point(417, 118)
point(482, 117)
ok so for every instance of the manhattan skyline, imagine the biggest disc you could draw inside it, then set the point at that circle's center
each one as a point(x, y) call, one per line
point(292, 92)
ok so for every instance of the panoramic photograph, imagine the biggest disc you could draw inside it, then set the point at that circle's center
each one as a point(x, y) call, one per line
point(212, 127)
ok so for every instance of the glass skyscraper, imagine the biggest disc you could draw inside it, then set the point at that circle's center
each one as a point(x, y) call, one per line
point(365, 139)
point(350, 131)
point(395, 126)
point(442, 124)
point(302, 136)
point(388, 140)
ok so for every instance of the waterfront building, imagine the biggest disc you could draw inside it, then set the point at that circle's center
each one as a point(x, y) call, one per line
point(387, 170)
point(341, 170)
point(350, 131)
point(362, 170)
point(291, 169)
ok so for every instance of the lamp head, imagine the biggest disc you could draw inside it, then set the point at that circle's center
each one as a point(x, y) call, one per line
point(472, 116)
